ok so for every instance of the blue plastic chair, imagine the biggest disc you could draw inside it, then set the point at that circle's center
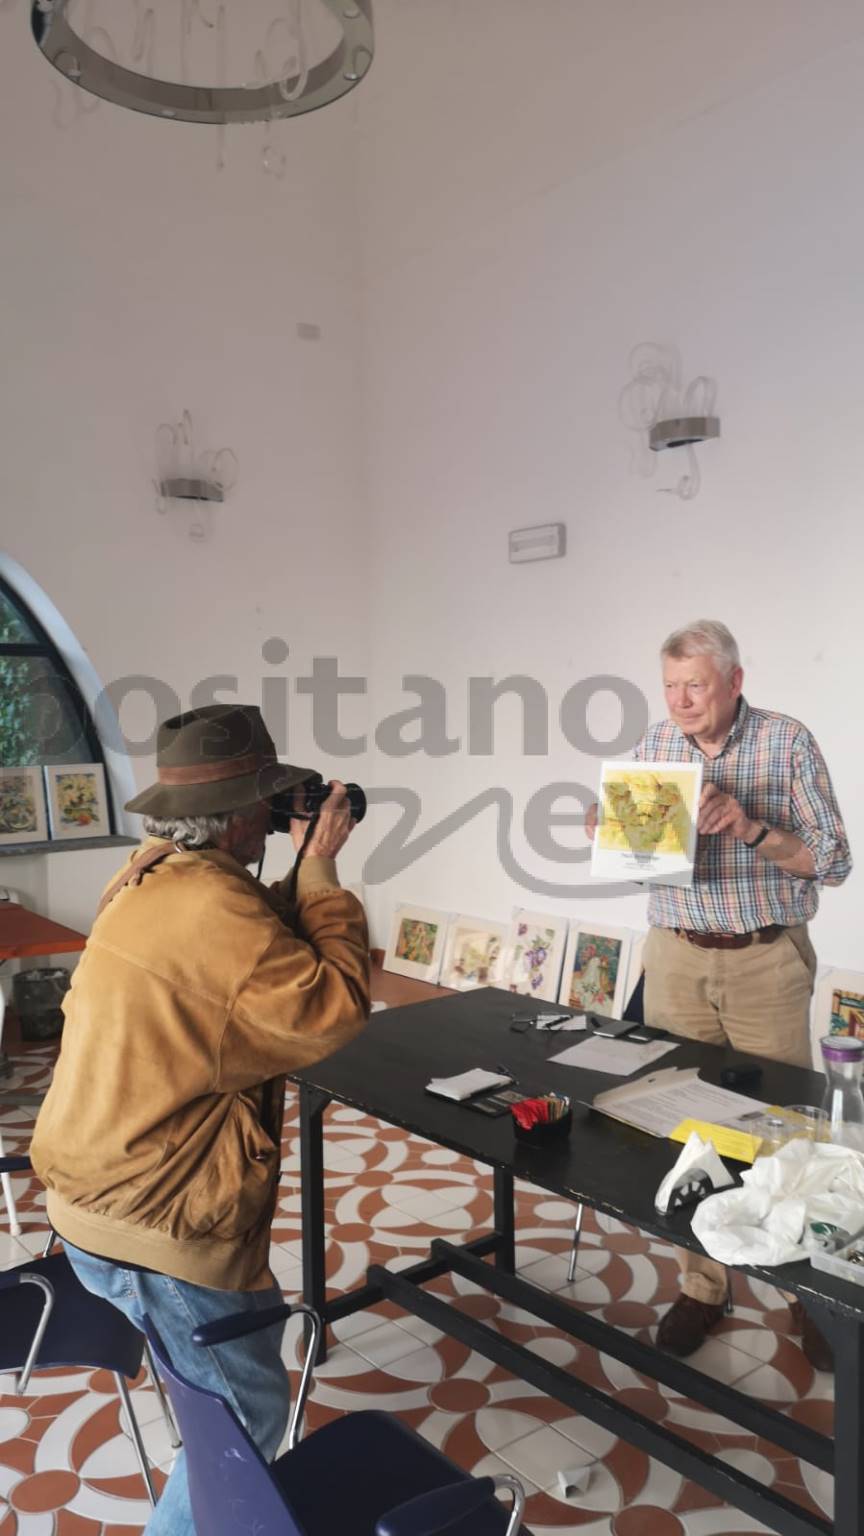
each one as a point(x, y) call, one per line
point(365, 1474)
point(49, 1321)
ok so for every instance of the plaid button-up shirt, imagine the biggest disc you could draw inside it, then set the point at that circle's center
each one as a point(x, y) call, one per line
point(774, 769)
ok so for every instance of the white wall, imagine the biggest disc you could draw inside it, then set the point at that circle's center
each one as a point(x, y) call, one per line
point(546, 186)
point(517, 196)
point(138, 280)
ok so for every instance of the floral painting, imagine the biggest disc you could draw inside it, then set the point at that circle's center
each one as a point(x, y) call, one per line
point(647, 821)
point(595, 969)
point(22, 806)
point(847, 1014)
point(646, 811)
point(473, 949)
point(77, 798)
point(416, 943)
point(838, 1008)
point(531, 957)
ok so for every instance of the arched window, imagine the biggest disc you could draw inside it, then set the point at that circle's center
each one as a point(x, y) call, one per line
point(53, 709)
point(43, 718)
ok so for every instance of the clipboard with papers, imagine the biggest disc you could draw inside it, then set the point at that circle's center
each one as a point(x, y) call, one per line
point(660, 1101)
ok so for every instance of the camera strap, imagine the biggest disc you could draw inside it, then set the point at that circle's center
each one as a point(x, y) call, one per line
point(291, 893)
point(135, 872)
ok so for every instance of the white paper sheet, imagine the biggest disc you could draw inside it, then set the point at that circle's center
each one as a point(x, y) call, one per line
point(465, 1084)
point(617, 1057)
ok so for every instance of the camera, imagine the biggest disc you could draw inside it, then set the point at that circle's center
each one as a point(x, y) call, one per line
point(311, 794)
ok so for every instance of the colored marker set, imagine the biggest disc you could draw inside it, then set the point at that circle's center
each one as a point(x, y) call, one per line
point(541, 1118)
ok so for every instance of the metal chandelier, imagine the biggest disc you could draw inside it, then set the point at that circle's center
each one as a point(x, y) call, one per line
point(91, 60)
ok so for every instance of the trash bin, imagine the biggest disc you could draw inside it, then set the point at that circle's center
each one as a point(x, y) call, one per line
point(37, 998)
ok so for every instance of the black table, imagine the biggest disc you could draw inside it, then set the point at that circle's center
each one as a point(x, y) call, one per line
point(604, 1164)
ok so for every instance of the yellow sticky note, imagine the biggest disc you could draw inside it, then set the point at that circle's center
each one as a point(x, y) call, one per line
point(737, 1144)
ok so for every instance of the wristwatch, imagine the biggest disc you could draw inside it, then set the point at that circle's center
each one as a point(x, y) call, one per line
point(759, 839)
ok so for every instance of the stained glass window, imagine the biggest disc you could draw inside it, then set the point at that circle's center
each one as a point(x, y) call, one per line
point(43, 718)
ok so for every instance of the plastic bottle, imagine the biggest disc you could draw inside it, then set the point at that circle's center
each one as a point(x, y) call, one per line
point(843, 1105)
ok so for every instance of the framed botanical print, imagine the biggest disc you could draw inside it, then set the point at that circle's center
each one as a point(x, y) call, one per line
point(596, 968)
point(647, 822)
point(77, 800)
point(532, 953)
point(416, 943)
point(839, 1005)
point(472, 953)
point(22, 806)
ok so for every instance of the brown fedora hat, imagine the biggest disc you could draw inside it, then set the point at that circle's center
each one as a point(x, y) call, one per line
point(214, 759)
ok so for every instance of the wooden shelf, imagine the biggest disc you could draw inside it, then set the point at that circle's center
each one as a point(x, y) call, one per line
point(67, 845)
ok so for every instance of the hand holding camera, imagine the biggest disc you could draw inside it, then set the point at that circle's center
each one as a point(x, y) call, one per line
point(333, 822)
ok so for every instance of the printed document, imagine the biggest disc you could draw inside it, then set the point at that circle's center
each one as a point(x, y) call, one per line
point(658, 1103)
point(617, 1057)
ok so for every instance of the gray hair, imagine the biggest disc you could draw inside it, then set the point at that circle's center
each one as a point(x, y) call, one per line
point(705, 637)
point(193, 831)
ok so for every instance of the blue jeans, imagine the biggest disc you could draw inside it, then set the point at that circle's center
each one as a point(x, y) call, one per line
point(248, 1373)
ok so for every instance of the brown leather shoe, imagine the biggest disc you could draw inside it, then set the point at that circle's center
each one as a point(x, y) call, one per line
point(687, 1325)
point(813, 1341)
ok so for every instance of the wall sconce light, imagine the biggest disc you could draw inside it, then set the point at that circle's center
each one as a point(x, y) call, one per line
point(188, 476)
point(666, 415)
point(683, 432)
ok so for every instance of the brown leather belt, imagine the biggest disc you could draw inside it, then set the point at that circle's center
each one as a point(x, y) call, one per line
point(731, 940)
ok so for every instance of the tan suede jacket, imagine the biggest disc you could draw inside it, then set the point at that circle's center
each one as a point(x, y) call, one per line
point(159, 1140)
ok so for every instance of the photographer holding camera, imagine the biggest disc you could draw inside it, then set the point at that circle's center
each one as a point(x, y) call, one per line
point(199, 988)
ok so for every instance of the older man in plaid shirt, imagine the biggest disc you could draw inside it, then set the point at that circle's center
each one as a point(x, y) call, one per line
point(728, 959)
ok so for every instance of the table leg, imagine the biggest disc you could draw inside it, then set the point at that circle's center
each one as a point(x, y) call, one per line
point(5, 1064)
point(847, 1338)
point(505, 1223)
point(312, 1106)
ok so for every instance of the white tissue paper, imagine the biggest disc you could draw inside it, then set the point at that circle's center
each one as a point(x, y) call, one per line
point(695, 1153)
point(768, 1221)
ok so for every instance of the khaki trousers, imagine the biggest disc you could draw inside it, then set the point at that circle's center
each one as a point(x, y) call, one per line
point(756, 1000)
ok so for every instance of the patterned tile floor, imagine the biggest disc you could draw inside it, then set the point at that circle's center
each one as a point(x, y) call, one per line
point(66, 1464)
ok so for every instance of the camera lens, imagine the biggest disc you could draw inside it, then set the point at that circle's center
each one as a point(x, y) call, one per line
point(316, 793)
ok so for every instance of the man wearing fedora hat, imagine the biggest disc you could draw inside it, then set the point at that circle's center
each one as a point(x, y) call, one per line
point(199, 989)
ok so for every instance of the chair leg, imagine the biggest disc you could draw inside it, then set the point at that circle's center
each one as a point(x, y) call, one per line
point(577, 1233)
point(135, 1432)
point(6, 1182)
point(730, 1300)
point(167, 1414)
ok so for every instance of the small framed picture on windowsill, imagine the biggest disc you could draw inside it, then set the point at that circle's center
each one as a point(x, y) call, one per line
point(22, 806)
point(77, 800)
